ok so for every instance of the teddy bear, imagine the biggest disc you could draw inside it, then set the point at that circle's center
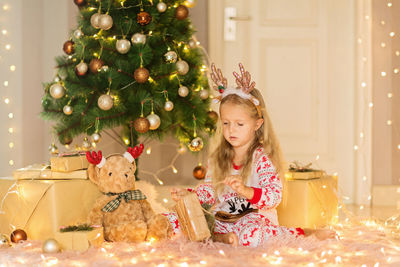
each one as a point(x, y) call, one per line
point(124, 212)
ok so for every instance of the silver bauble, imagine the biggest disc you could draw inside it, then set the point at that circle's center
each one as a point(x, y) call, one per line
point(192, 43)
point(82, 68)
point(183, 91)
point(203, 94)
point(57, 91)
point(105, 102)
point(154, 120)
point(161, 7)
point(96, 137)
point(138, 38)
point(53, 149)
point(169, 105)
point(51, 246)
point(67, 110)
point(190, 3)
point(95, 20)
point(86, 144)
point(4, 241)
point(78, 33)
point(123, 46)
point(182, 67)
point(171, 56)
point(105, 22)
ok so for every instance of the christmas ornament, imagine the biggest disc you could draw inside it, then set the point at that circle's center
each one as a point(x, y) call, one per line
point(203, 94)
point(183, 91)
point(182, 67)
point(168, 105)
point(123, 46)
point(141, 125)
point(213, 116)
point(141, 75)
point(138, 38)
point(96, 137)
point(18, 235)
point(78, 33)
point(51, 246)
point(105, 102)
point(95, 20)
point(190, 3)
point(105, 22)
point(192, 43)
point(69, 47)
point(95, 65)
point(56, 79)
point(67, 110)
point(196, 144)
point(182, 149)
point(154, 121)
point(57, 91)
point(143, 18)
point(171, 56)
point(4, 242)
point(161, 7)
point(181, 12)
point(67, 140)
point(80, 3)
point(199, 172)
point(104, 68)
point(81, 69)
point(86, 144)
point(53, 149)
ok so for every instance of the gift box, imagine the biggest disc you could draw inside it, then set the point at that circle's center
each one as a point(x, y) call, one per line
point(41, 171)
point(41, 207)
point(69, 162)
point(191, 218)
point(80, 240)
point(310, 203)
point(305, 175)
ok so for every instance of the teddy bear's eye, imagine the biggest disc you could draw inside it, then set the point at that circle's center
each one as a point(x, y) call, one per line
point(109, 174)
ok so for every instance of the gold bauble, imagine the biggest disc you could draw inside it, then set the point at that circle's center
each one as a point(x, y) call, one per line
point(105, 22)
point(67, 110)
point(18, 235)
point(141, 75)
point(182, 12)
point(81, 69)
point(213, 116)
point(183, 91)
point(203, 94)
point(4, 241)
point(138, 38)
point(96, 137)
point(95, 20)
point(190, 3)
point(105, 102)
point(95, 65)
point(53, 149)
point(199, 172)
point(171, 56)
point(169, 105)
point(196, 144)
point(182, 67)
point(141, 125)
point(68, 47)
point(143, 18)
point(51, 246)
point(57, 91)
point(78, 33)
point(154, 120)
point(161, 7)
point(123, 46)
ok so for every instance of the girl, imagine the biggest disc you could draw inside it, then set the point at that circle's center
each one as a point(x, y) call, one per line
point(243, 179)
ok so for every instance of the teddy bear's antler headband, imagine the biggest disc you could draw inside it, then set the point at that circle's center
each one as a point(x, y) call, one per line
point(243, 89)
point(98, 159)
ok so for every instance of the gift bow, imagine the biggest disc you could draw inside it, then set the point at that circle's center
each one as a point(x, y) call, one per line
point(127, 195)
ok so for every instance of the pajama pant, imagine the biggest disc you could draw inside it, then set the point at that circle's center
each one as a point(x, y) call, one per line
point(252, 229)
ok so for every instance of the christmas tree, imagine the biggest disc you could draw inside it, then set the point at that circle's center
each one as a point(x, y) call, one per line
point(131, 63)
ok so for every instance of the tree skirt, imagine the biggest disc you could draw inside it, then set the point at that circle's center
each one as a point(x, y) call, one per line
point(361, 243)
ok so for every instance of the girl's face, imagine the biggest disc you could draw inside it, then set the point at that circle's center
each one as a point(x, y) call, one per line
point(238, 126)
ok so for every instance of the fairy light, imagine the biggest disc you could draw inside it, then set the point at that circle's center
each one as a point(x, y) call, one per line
point(7, 46)
point(148, 151)
point(370, 105)
point(383, 45)
point(5, 83)
point(7, 101)
point(13, 68)
point(383, 73)
point(392, 34)
point(396, 70)
point(389, 95)
point(4, 32)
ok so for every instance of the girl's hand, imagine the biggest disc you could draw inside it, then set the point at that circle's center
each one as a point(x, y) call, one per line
point(178, 193)
point(236, 183)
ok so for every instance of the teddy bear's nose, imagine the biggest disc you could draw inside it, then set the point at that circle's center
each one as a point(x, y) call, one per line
point(126, 175)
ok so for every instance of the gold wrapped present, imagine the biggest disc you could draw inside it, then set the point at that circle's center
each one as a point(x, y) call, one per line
point(69, 162)
point(191, 218)
point(309, 203)
point(41, 207)
point(80, 240)
point(41, 171)
point(303, 175)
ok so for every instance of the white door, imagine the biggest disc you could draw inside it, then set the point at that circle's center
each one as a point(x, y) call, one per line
point(301, 55)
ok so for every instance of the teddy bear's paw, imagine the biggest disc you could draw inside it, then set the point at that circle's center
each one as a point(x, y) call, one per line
point(159, 228)
point(134, 232)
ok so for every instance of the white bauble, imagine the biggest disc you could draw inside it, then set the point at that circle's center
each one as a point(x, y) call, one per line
point(68, 110)
point(203, 94)
point(182, 67)
point(169, 105)
point(105, 22)
point(154, 120)
point(95, 20)
point(78, 33)
point(105, 102)
point(51, 246)
point(161, 7)
point(57, 91)
point(183, 91)
point(138, 38)
point(123, 46)
point(171, 56)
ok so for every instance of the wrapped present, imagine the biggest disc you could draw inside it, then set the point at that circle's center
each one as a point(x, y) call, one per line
point(80, 239)
point(41, 171)
point(40, 207)
point(191, 218)
point(303, 172)
point(309, 203)
point(69, 162)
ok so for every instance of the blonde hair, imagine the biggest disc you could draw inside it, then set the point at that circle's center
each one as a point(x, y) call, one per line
point(222, 153)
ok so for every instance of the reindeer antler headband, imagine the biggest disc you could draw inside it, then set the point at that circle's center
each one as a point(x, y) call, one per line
point(243, 89)
point(98, 159)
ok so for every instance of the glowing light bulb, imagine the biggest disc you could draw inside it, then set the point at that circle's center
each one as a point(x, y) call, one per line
point(6, 7)
point(148, 151)
point(165, 200)
point(4, 32)
point(398, 146)
point(396, 70)
point(11, 144)
point(383, 74)
point(383, 45)
point(397, 53)
point(13, 68)
point(174, 169)
point(371, 104)
point(389, 95)
point(10, 130)
point(366, 17)
point(355, 147)
point(222, 252)
point(389, 122)
point(389, 4)
point(126, 141)
point(392, 34)
point(361, 135)
point(11, 162)
point(8, 46)
point(359, 40)
point(7, 101)
point(364, 178)
point(363, 84)
point(10, 115)
point(5, 83)
point(203, 262)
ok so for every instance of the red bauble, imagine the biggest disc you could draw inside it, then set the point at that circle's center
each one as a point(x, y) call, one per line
point(18, 235)
point(80, 3)
point(182, 12)
point(143, 18)
point(69, 47)
point(199, 172)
